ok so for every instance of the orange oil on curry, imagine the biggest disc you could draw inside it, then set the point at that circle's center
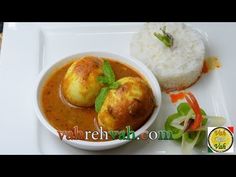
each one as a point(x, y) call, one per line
point(210, 64)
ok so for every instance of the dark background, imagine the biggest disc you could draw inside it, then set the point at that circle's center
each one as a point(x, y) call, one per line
point(1, 26)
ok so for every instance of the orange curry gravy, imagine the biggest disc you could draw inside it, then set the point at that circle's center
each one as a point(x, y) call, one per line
point(62, 116)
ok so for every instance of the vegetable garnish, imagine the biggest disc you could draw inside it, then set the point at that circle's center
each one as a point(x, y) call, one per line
point(109, 80)
point(166, 38)
point(175, 97)
point(109, 76)
point(192, 101)
point(100, 98)
point(190, 123)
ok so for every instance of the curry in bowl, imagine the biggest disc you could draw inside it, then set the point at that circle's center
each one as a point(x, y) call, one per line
point(92, 92)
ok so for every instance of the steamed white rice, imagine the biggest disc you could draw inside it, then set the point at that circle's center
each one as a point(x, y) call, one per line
point(177, 67)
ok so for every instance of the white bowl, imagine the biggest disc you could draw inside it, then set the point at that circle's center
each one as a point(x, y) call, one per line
point(133, 63)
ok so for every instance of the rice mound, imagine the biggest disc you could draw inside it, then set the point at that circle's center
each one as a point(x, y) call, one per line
point(177, 67)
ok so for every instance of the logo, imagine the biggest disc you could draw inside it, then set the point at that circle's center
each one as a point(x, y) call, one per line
point(100, 134)
point(220, 139)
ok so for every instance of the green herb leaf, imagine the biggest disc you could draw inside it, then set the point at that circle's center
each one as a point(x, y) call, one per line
point(103, 79)
point(114, 85)
point(101, 98)
point(109, 79)
point(108, 72)
point(166, 38)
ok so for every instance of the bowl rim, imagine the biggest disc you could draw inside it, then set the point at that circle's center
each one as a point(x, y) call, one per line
point(139, 66)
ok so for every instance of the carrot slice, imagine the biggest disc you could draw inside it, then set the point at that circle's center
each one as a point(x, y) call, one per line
point(192, 101)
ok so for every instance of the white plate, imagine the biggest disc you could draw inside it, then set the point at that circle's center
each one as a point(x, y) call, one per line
point(28, 47)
